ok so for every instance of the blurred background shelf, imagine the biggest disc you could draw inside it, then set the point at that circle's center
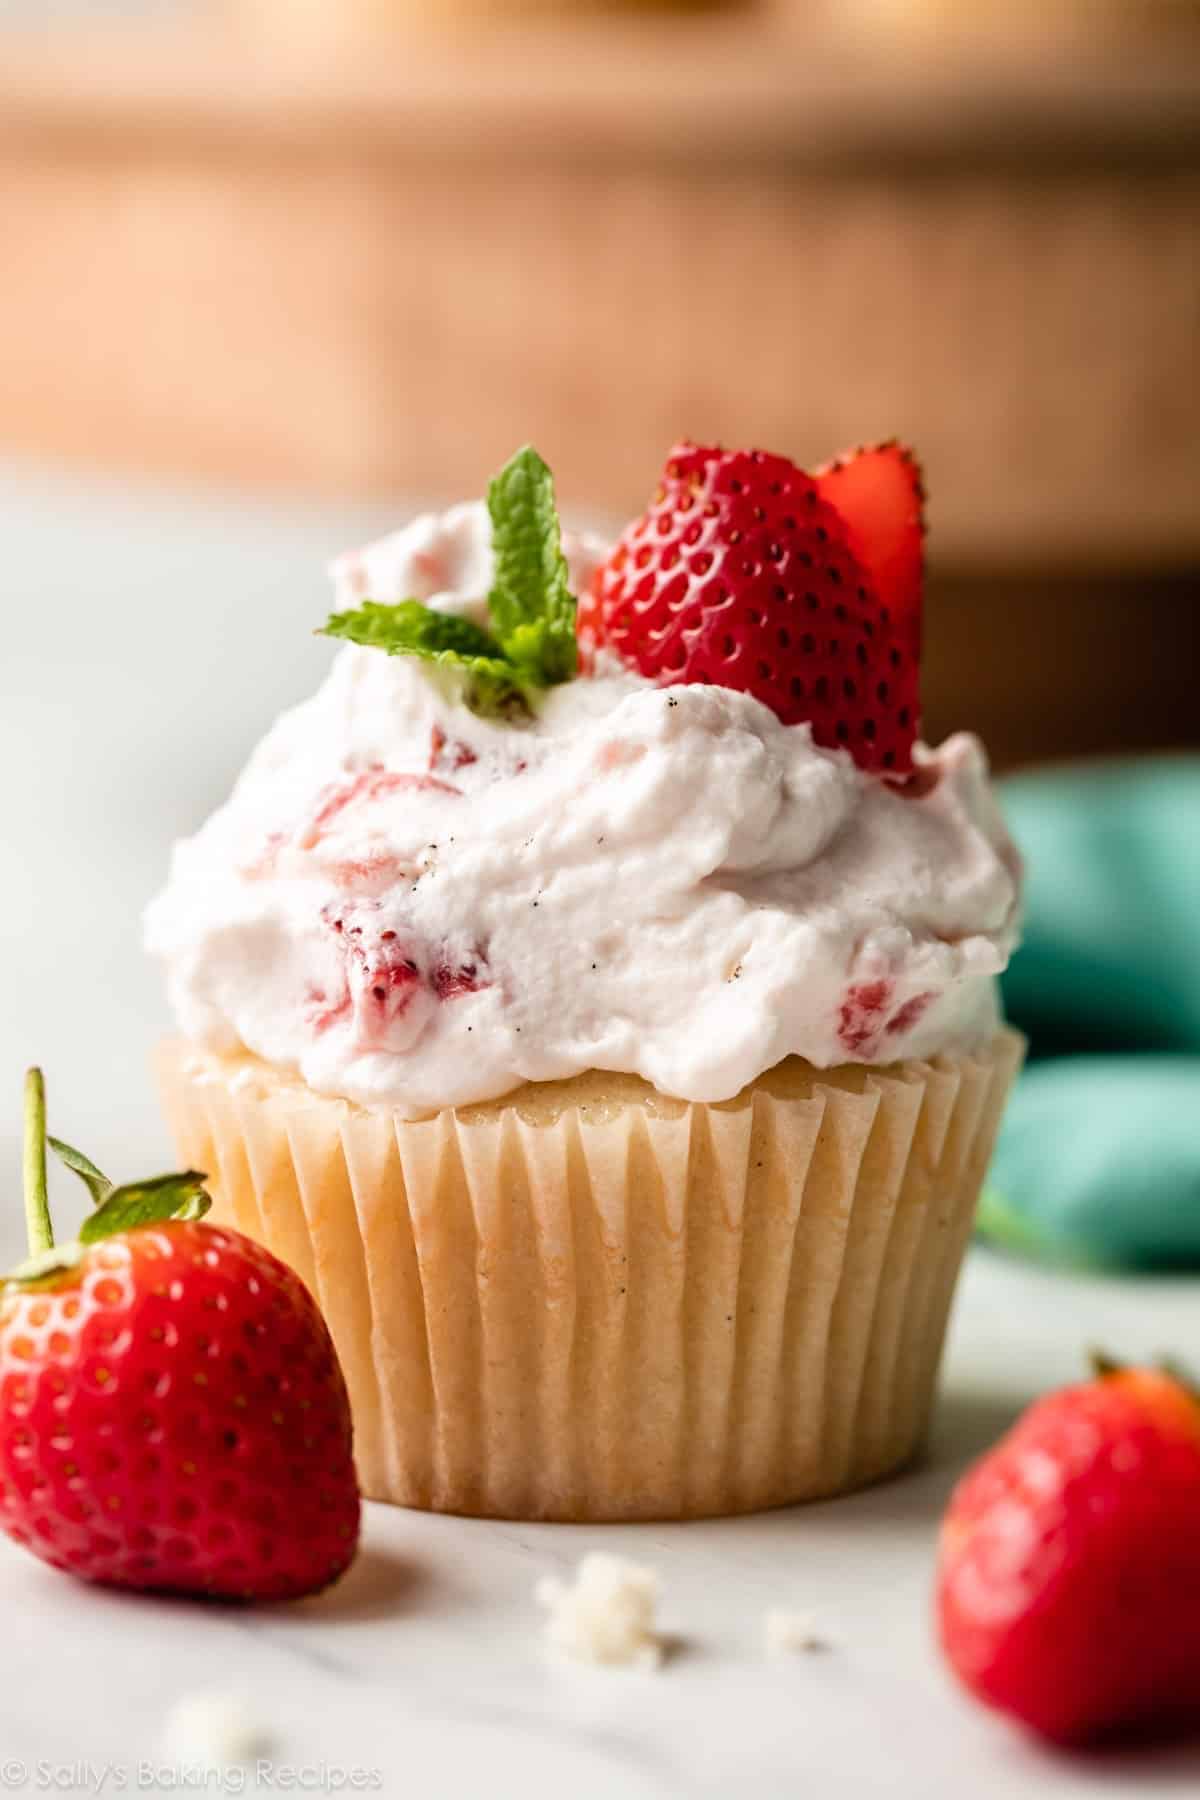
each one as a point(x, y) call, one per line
point(369, 267)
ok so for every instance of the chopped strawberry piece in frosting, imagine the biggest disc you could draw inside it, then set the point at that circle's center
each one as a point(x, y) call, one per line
point(449, 754)
point(321, 1014)
point(373, 783)
point(392, 986)
point(450, 980)
point(908, 1016)
point(865, 1017)
point(861, 1016)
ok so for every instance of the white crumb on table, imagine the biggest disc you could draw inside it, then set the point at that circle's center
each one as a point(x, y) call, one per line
point(606, 1615)
point(217, 1730)
point(789, 1633)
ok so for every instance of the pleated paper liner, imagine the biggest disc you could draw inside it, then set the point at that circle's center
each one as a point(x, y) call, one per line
point(587, 1301)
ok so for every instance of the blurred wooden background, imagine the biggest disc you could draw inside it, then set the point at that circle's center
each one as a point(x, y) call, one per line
point(308, 267)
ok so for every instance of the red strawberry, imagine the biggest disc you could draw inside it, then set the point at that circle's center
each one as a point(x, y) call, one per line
point(1069, 1580)
point(879, 493)
point(801, 590)
point(172, 1411)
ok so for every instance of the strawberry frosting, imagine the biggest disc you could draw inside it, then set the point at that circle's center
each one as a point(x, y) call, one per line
point(415, 907)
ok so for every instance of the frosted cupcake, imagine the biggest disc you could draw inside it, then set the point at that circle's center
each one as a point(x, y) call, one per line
point(609, 1036)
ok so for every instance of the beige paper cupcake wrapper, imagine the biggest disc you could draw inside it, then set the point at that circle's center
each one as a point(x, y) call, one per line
point(587, 1301)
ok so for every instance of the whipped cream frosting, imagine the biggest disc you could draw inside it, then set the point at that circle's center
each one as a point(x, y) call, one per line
point(415, 907)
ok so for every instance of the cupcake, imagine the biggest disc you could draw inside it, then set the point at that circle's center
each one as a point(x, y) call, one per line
point(591, 992)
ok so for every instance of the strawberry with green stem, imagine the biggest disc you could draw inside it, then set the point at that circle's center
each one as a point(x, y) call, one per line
point(172, 1412)
point(1069, 1577)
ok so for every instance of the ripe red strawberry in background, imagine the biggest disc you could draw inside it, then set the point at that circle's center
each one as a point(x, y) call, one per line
point(172, 1411)
point(803, 590)
point(1069, 1576)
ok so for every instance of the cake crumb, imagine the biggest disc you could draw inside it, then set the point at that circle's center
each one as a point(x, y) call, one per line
point(790, 1633)
point(607, 1614)
point(215, 1730)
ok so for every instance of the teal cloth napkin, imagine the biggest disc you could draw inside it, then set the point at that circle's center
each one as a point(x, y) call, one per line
point(1099, 1155)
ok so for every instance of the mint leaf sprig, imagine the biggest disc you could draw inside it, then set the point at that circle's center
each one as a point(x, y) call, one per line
point(531, 605)
point(532, 610)
point(410, 628)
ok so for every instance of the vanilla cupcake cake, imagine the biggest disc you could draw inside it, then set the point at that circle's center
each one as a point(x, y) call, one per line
point(591, 992)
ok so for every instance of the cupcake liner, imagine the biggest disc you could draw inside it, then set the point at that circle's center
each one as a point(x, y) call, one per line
point(588, 1301)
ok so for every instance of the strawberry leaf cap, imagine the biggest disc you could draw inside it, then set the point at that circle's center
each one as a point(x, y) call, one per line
point(150, 1202)
point(1104, 1367)
point(98, 1185)
point(44, 1268)
point(116, 1209)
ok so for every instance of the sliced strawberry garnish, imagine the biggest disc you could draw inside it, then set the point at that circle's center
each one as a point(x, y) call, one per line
point(743, 574)
point(879, 493)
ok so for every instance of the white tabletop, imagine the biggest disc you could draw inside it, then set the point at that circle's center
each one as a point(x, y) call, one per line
point(147, 640)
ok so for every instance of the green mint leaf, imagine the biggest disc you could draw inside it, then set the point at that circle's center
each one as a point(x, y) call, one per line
point(491, 685)
point(492, 689)
point(532, 609)
point(147, 1203)
point(98, 1185)
point(409, 628)
point(531, 604)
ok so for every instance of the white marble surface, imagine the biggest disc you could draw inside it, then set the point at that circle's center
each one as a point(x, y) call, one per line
point(146, 639)
point(427, 1663)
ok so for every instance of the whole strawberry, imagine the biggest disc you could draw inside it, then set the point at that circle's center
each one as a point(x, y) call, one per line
point(1069, 1580)
point(803, 590)
point(172, 1412)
